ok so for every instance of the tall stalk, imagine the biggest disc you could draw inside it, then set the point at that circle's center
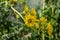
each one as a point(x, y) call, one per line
point(43, 3)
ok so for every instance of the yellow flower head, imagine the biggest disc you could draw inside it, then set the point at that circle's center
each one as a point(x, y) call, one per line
point(26, 8)
point(33, 11)
point(29, 20)
point(49, 27)
point(37, 25)
point(26, 13)
point(43, 19)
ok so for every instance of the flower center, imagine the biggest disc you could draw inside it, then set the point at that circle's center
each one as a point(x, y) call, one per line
point(30, 20)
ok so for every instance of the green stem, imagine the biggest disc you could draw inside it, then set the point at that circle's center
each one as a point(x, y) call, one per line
point(43, 33)
point(43, 3)
point(14, 10)
point(52, 10)
point(17, 12)
point(49, 38)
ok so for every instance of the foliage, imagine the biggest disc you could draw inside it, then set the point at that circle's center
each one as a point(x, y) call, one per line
point(18, 21)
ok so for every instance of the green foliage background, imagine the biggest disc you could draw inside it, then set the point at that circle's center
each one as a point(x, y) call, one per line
point(13, 28)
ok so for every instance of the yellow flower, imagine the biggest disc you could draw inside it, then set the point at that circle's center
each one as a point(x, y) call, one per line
point(26, 13)
point(43, 19)
point(26, 8)
point(49, 27)
point(37, 25)
point(29, 20)
point(33, 11)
